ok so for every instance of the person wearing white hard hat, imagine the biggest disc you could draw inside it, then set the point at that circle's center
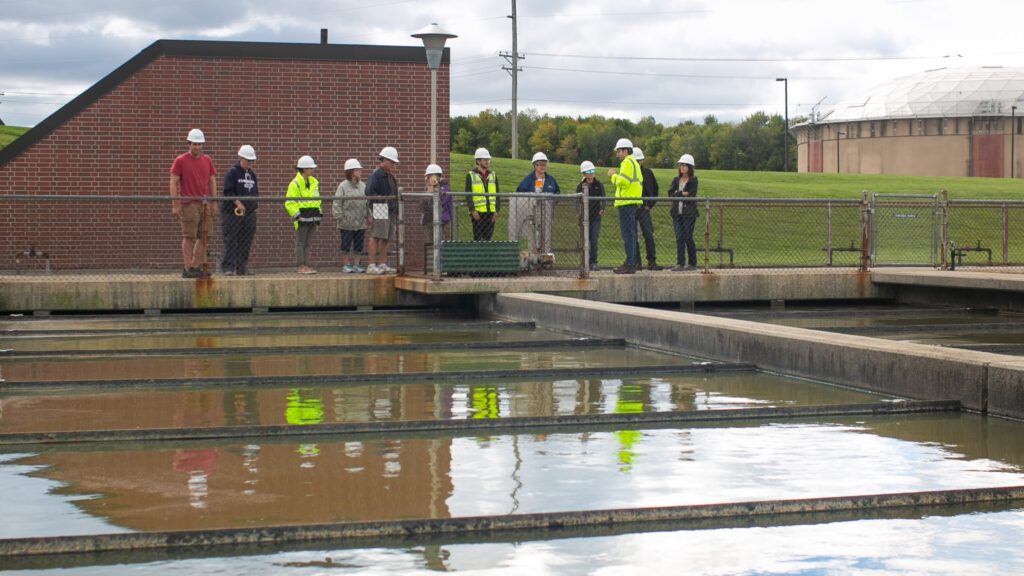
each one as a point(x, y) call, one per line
point(238, 216)
point(592, 188)
point(484, 203)
point(193, 179)
point(304, 210)
point(684, 214)
point(532, 216)
point(351, 216)
point(628, 182)
point(382, 184)
point(643, 213)
point(435, 183)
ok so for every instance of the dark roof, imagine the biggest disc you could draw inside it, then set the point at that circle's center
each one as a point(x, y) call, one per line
point(211, 49)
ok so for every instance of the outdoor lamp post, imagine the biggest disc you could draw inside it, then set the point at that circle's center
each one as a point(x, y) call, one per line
point(433, 37)
point(1013, 138)
point(785, 135)
point(838, 134)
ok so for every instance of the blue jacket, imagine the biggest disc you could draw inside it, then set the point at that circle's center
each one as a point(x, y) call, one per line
point(239, 182)
point(550, 184)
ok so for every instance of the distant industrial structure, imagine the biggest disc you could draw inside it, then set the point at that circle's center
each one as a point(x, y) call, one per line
point(945, 122)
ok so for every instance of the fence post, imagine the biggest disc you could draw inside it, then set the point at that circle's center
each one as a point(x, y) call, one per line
point(866, 214)
point(401, 235)
point(707, 233)
point(1006, 234)
point(583, 210)
point(828, 231)
point(944, 229)
point(435, 255)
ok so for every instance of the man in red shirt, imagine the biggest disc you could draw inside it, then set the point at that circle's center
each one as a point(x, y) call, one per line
point(193, 177)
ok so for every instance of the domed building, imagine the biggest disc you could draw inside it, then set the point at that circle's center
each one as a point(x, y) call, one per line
point(945, 122)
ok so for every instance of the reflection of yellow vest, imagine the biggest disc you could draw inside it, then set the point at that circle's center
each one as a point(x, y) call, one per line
point(301, 410)
point(484, 402)
point(630, 401)
point(482, 202)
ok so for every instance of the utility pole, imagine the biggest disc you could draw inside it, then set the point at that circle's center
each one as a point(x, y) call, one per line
point(513, 59)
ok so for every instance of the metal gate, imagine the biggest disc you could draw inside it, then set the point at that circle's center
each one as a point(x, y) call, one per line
point(905, 230)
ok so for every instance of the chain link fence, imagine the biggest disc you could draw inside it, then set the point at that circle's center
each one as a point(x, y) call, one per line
point(454, 234)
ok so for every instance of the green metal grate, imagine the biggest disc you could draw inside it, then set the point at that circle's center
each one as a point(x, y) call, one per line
point(480, 257)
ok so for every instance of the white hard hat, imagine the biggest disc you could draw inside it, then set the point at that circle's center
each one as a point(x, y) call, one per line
point(196, 136)
point(586, 166)
point(306, 162)
point(247, 152)
point(687, 159)
point(539, 156)
point(433, 169)
point(481, 154)
point(390, 153)
point(638, 154)
point(352, 164)
point(623, 143)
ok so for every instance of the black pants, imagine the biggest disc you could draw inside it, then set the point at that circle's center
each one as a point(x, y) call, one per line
point(483, 228)
point(685, 246)
point(237, 232)
point(643, 219)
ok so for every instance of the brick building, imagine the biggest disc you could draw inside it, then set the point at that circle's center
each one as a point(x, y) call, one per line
point(119, 137)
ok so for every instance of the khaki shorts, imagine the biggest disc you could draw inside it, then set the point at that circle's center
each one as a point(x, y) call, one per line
point(382, 229)
point(195, 220)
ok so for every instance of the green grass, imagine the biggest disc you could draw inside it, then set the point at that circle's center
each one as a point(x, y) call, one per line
point(9, 134)
point(774, 235)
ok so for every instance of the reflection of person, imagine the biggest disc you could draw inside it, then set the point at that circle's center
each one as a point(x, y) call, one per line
point(304, 210)
point(194, 177)
point(483, 204)
point(382, 183)
point(643, 214)
point(684, 214)
point(628, 183)
point(238, 217)
point(351, 215)
point(435, 183)
point(590, 187)
point(534, 211)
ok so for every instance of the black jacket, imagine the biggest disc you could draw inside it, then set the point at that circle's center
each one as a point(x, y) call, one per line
point(239, 182)
point(596, 190)
point(650, 186)
point(684, 209)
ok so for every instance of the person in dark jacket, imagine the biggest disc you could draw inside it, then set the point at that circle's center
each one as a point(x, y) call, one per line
point(383, 214)
point(238, 217)
point(684, 214)
point(643, 215)
point(532, 216)
point(592, 188)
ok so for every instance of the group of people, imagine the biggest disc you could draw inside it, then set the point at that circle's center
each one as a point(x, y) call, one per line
point(363, 220)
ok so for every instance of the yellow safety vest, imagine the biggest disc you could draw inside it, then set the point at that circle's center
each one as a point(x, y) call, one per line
point(482, 202)
point(299, 189)
point(629, 182)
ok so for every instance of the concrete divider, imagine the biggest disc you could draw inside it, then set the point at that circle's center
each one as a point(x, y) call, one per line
point(911, 370)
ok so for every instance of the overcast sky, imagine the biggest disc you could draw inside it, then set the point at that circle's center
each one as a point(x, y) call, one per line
point(721, 56)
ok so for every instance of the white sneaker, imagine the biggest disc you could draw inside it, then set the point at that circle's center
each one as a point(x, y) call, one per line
point(371, 269)
point(385, 269)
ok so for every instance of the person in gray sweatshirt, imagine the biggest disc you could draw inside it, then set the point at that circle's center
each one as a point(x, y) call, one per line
point(352, 215)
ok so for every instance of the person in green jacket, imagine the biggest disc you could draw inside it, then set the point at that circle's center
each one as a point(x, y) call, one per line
point(628, 184)
point(304, 210)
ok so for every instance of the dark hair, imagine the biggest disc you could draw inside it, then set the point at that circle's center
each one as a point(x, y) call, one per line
point(629, 150)
point(691, 173)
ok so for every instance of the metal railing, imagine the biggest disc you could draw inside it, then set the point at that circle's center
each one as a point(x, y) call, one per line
point(570, 235)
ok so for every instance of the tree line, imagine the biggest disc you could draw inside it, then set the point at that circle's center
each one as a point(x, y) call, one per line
point(755, 143)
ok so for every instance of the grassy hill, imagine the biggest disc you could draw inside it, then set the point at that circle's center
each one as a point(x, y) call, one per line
point(737, 184)
point(9, 133)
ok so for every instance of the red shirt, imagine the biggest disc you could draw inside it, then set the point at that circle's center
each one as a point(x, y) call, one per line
point(195, 173)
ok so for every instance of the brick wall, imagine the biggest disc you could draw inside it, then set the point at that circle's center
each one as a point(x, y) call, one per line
point(124, 142)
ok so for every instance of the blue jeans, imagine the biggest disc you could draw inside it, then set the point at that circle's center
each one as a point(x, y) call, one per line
point(595, 235)
point(685, 246)
point(627, 227)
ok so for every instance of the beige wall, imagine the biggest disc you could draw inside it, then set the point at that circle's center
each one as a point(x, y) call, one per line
point(914, 147)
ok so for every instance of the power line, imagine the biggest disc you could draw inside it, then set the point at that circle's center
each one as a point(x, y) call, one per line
point(666, 75)
point(693, 59)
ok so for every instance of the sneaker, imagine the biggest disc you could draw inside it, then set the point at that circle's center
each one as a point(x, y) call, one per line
point(228, 272)
point(372, 269)
point(347, 269)
point(593, 267)
point(690, 267)
point(625, 270)
point(190, 273)
point(385, 269)
point(358, 269)
point(679, 268)
point(652, 265)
